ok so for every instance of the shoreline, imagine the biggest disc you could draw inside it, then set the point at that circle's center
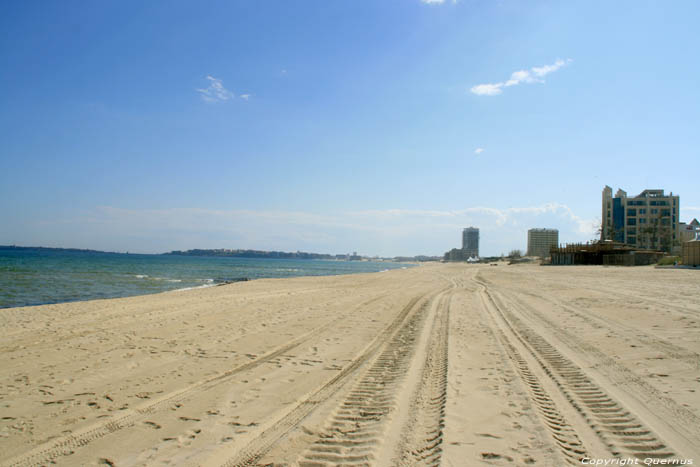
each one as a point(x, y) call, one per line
point(207, 283)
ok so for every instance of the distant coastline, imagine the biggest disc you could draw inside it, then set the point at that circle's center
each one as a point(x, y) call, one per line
point(225, 253)
point(297, 255)
point(193, 252)
point(56, 249)
point(235, 253)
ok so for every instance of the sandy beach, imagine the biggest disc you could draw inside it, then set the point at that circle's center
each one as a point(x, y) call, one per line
point(441, 364)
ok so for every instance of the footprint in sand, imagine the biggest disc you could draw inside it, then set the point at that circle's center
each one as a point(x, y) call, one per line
point(488, 435)
point(493, 455)
point(190, 419)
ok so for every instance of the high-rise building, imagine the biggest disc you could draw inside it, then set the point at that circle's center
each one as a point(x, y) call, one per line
point(648, 220)
point(539, 241)
point(470, 242)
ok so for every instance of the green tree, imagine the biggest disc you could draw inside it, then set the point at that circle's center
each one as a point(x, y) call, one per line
point(514, 254)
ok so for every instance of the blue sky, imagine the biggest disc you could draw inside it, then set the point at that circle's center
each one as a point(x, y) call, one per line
point(382, 127)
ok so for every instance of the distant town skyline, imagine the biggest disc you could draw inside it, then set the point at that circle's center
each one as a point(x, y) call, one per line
point(378, 127)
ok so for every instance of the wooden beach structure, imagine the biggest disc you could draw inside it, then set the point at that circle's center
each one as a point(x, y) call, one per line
point(605, 253)
point(691, 253)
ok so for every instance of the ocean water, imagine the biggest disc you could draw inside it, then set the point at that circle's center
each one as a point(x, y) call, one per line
point(36, 277)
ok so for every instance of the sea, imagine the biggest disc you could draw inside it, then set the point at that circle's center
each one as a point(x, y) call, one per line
point(40, 276)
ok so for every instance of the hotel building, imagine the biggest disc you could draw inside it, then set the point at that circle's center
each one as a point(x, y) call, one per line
point(539, 241)
point(647, 221)
point(470, 242)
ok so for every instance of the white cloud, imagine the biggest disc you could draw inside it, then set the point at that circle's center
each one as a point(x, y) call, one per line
point(545, 70)
point(216, 92)
point(478, 151)
point(245, 97)
point(436, 2)
point(534, 75)
point(522, 76)
point(487, 89)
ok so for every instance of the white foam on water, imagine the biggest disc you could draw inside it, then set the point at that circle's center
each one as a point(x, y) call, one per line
point(166, 279)
point(205, 286)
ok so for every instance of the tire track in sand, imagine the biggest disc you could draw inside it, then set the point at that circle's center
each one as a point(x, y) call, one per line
point(65, 445)
point(401, 329)
point(621, 431)
point(357, 431)
point(563, 433)
point(422, 439)
point(618, 328)
point(685, 423)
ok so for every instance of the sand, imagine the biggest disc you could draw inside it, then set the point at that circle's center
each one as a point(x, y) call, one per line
point(442, 364)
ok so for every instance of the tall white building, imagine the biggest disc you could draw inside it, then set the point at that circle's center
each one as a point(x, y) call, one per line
point(539, 241)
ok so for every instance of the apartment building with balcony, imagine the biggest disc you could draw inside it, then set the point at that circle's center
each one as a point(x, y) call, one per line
point(646, 221)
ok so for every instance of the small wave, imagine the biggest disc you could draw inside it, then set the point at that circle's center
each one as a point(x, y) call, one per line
point(165, 279)
point(213, 283)
point(204, 286)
